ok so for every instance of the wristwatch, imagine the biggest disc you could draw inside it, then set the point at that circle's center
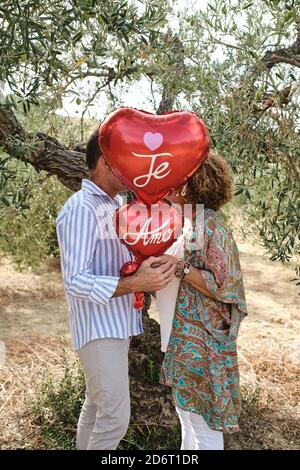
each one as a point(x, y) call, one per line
point(186, 268)
point(183, 268)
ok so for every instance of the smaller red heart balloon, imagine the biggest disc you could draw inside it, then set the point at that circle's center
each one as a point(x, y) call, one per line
point(148, 230)
point(128, 269)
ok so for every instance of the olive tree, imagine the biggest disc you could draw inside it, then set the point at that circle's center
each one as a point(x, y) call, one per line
point(235, 63)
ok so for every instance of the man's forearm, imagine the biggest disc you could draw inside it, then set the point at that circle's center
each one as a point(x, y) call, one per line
point(126, 285)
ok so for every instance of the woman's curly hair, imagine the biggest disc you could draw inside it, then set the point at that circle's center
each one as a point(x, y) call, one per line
point(211, 184)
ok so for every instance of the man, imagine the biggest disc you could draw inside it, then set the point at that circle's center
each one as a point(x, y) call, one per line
point(102, 316)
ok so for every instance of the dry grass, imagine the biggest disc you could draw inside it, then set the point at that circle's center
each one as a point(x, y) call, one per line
point(269, 384)
point(20, 376)
point(45, 284)
point(270, 377)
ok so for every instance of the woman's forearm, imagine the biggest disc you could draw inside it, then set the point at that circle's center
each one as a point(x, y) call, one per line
point(195, 278)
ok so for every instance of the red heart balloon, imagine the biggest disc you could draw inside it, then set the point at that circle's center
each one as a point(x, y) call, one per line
point(153, 154)
point(148, 230)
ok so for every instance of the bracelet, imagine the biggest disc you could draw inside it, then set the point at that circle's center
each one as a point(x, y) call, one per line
point(182, 269)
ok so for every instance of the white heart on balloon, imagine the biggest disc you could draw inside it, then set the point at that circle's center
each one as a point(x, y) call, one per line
point(153, 140)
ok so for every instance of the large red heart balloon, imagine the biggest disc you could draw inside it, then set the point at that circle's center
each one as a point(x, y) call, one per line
point(148, 230)
point(153, 154)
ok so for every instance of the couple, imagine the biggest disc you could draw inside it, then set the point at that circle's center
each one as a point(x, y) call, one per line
point(206, 288)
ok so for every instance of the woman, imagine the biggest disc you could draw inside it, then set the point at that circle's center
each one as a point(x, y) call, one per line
point(200, 362)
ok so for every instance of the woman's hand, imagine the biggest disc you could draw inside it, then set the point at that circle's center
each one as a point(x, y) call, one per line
point(194, 277)
point(170, 258)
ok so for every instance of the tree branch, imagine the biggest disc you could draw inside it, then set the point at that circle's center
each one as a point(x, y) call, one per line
point(270, 100)
point(41, 151)
point(288, 55)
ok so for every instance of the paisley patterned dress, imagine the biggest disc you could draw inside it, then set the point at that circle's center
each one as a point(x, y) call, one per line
point(200, 363)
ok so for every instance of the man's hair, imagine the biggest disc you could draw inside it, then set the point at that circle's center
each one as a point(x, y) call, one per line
point(92, 150)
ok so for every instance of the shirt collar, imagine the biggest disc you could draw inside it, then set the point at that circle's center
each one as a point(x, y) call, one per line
point(92, 188)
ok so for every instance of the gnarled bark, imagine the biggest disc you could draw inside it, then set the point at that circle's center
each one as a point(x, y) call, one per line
point(42, 151)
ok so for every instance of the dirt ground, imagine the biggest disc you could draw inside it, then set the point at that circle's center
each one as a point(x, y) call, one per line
point(33, 315)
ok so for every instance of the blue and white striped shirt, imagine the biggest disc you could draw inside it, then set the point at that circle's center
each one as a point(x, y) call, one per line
point(91, 258)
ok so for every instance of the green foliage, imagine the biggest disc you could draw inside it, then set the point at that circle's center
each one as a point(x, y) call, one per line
point(251, 122)
point(273, 208)
point(27, 225)
point(56, 406)
point(152, 371)
point(13, 189)
point(47, 47)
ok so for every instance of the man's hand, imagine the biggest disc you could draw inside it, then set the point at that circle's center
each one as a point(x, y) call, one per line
point(154, 274)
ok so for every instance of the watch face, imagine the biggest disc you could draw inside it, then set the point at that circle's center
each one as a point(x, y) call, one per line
point(186, 270)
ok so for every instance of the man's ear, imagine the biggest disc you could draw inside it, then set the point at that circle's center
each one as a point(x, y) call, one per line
point(99, 168)
point(100, 162)
point(106, 167)
point(105, 162)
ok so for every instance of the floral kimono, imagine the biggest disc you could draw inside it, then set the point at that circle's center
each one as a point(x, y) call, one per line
point(200, 363)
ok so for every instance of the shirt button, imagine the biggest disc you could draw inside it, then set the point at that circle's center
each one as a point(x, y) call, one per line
point(102, 213)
